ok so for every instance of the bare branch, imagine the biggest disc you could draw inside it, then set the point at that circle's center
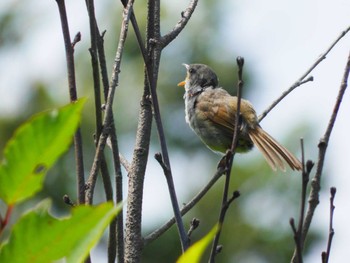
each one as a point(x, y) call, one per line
point(76, 39)
point(325, 255)
point(316, 181)
point(124, 162)
point(313, 200)
point(78, 145)
point(108, 120)
point(152, 69)
point(185, 17)
point(157, 233)
point(302, 80)
point(229, 161)
point(305, 180)
point(297, 237)
point(116, 236)
point(193, 226)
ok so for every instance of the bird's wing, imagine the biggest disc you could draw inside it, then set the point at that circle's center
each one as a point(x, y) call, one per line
point(219, 108)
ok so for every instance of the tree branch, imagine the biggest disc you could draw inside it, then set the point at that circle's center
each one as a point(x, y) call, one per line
point(108, 120)
point(305, 180)
point(185, 17)
point(116, 236)
point(325, 255)
point(316, 181)
point(78, 145)
point(302, 79)
point(226, 201)
point(157, 233)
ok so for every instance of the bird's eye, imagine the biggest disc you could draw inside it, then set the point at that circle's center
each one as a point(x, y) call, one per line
point(191, 70)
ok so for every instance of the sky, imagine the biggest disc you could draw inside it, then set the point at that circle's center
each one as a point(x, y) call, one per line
point(280, 40)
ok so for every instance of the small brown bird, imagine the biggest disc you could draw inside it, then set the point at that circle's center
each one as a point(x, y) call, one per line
point(211, 110)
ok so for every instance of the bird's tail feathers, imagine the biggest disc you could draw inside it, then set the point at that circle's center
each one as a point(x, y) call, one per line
point(273, 152)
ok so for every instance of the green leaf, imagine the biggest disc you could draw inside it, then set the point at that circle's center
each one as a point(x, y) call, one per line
point(34, 148)
point(39, 237)
point(194, 253)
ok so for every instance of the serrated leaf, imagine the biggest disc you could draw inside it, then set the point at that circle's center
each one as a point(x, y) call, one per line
point(38, 237)
point(194, 253)
point(34, 148)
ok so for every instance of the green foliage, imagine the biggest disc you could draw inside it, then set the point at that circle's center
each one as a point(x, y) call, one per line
point(34, 148)
point(39, 237)
point(195, 252)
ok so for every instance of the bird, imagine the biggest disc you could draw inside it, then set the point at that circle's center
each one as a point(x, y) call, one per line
point(211, 111)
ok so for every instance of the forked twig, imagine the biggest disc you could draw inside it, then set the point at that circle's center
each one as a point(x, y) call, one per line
point(302, 79)
point(158, 232)
point(316, 181)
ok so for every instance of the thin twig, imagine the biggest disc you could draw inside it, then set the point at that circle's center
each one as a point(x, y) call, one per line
point(108, 121)
point(155, 51)
point(124, 162)
point(193, 226)
point(302, 80)
point(185, 17)
point(229, 161)
point(313, 201)
point(305, 180)
point(296, 241)
point(102, 60)
point(325, 255)
point(76, 39)
point(78, 144)
point(316, 181)
point(117, 226)
point(179, 223)
point(152, 64)
point(97, 52)
point(95, 66)
point(118, 192)
point(157, 233)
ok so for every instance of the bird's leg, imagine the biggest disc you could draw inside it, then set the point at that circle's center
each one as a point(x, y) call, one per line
point(223, 161)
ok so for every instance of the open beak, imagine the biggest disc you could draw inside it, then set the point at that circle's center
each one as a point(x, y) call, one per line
point(183, 83)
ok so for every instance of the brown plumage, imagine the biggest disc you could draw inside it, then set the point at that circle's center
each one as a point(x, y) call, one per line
point(273, 152)
point(211, 110)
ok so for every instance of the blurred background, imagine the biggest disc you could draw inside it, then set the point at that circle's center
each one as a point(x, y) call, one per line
point(279, 41)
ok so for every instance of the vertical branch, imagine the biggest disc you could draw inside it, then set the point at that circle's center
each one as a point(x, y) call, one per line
point(313, 199)
point(95, 66)
point(325, 255)
point(119, 196)
point(108, 118)
point(186, 208)
point(158, 44)
point(226, 201)
point(133, 238)
point(298, 231)
point(115, 242)
point(151, 56)
point(78, 145)
point(119, 222)
point(316, 181)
